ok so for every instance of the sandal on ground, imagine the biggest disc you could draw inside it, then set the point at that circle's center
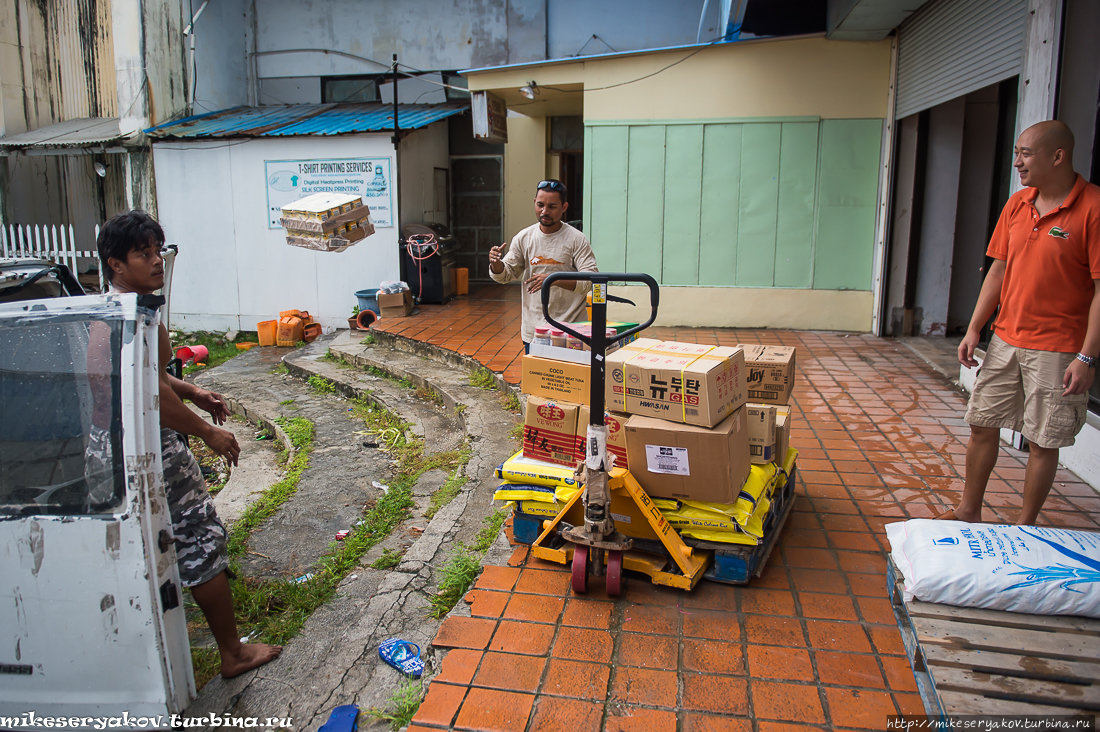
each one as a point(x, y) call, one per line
point(947, 516)
point(403, 656)
point(342, 719)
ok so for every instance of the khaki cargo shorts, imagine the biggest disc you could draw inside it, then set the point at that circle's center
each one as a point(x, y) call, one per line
point(1020, 389)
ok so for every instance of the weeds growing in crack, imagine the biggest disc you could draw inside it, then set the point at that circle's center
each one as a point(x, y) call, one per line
point(464, 565)
point(218, 349)
point(321, 385)
point(280, 369)
point(483, 379)
point(402, 705)
point(510, 402)
point(368, 341)
point(390, 558)
point(207, 663)
point(428, 394)
point(337, 359)
point(286, 402)
point(516, 433)
point(446, 493)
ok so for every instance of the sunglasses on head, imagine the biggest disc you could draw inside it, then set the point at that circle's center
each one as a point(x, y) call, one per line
point(553, 185)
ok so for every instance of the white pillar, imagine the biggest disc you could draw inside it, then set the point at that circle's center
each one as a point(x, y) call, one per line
point(1039, 77)
point(128, 37)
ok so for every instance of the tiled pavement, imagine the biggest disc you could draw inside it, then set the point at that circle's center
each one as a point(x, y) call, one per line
point(811, 643)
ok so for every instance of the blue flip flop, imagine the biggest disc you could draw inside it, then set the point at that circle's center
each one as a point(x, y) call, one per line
point(342, 719)
point(403, 656)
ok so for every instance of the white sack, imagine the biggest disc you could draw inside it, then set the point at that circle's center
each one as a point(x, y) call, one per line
point(1024, 569)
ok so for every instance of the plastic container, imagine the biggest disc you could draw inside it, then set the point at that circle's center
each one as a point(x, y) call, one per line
point(460, 279)
point(368, 300)
point(198, 353)
point(289, 313)
point(365, 319)
point(290, 331)
point(575, 344)
point(267, 330)
point(542, 336)
point(311, 332)
point(557, 338)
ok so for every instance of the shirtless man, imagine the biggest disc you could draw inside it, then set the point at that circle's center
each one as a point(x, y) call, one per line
point(129, 252)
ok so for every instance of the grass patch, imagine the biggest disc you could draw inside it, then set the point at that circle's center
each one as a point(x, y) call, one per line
point(464, 565)
point(510, 402)
point(457, 576)
point(219, 349)
point(389, 559)
point(446, 493)
point(483, 379)
point(375, 371)
point(214, 464)
point(280, 369)
point(402, 705)
point(286, 402)
point(321, 385)
point(516, 433)
point(300, 432)
point(207, 663)
point(368, 341)
point(336, 359)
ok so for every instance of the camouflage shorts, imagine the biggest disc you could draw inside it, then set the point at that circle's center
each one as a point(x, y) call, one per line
point(200, 535)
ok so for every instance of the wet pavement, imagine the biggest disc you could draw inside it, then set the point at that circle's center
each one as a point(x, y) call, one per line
point(813, 641)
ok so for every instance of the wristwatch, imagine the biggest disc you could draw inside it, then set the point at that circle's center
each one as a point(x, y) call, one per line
point(1090, 362)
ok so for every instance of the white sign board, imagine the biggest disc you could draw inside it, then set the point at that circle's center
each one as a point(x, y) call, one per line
point(289, 180)
point(490, 117)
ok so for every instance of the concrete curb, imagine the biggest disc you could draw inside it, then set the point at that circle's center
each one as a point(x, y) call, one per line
point(439, 355)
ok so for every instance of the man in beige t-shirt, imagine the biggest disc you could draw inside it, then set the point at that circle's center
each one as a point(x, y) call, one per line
point(542, 248)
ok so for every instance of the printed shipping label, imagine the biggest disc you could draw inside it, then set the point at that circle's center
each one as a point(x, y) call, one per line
point(671, 460)
point(621, 518)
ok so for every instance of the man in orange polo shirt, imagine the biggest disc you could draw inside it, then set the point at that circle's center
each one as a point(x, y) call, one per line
point(1042, 357)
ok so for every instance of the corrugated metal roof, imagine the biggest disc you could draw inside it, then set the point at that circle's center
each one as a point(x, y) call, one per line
point(82, 132)
point(305, 119)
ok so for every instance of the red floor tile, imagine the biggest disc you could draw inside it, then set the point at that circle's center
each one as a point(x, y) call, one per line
point(488, 710)
point(716, 694)
point(578, 679)
point(509, 671)
point(566, 715)
point(644, 686)
point(638, 719)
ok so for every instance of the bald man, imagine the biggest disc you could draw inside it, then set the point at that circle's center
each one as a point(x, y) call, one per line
point(1042, 357)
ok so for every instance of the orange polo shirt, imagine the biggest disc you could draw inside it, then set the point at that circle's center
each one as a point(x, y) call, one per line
point(1050, 264)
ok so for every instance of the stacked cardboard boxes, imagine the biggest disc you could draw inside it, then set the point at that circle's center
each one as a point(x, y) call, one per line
point(327, 222)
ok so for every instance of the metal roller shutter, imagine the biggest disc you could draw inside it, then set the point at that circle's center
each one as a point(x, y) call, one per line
point(952, 47)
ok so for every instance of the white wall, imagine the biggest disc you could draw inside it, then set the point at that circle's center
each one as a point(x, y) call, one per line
point(232, 271)
point(223, 36)
point(627, 25)
point(421, 152)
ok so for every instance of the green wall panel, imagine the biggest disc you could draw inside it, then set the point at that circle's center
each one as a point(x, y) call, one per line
point(759, 205)
point(720, 191)
point(848, 167)
point(683, 180)
point(607, 212)
point(777, 203)
point(645, 200)
point(794, 231)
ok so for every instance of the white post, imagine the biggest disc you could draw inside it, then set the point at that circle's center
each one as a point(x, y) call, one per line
point(4, 240)
point(128, 38)
point(1039, 75)
point(99, 267)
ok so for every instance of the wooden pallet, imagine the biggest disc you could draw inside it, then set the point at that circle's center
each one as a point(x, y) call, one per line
point(734, 564)
point(972, 661)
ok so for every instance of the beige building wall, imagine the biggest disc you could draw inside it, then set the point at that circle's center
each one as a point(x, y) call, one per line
point(797, 78)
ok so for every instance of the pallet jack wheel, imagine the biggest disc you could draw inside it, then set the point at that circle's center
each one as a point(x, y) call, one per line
point(614, 583)
point(580, 569)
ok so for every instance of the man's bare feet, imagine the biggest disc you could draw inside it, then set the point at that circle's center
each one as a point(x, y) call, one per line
point(249, 657)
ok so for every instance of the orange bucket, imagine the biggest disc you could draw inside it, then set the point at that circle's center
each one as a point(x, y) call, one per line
point(289, 313)
point(267, 331)
point(310, 332)
point(460, 279)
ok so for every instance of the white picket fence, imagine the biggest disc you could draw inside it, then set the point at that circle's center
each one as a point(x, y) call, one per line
point(55, 243)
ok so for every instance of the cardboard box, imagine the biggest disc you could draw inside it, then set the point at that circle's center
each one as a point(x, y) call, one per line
point(770, 377)
point(550, 431)
point(782, 432)
point(683, 382)
point(761, 423)
point(615, 377)
point(616, 434)
point(550, 379)
point(397, 305)
point(692, 463)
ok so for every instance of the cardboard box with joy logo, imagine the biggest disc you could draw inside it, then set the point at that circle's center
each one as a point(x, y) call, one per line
point(616, 434)
point(550, 431)
point(770, 378)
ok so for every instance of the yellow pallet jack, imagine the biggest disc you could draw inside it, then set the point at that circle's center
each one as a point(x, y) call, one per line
point(584, 532)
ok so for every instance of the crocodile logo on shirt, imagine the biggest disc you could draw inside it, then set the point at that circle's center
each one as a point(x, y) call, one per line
point(1058, 233)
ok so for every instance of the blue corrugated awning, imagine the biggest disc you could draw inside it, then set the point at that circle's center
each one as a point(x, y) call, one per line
point(305, 119)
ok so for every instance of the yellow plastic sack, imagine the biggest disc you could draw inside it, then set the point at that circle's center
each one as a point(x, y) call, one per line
point(749, 535)
point(521, 492)
point(563, 494)
point(536, 508)
point(528, 471)
point(759, 484)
